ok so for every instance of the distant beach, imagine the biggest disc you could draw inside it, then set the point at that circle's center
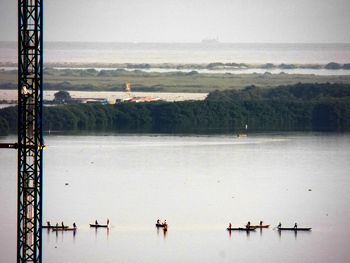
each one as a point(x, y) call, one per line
point(111, 96)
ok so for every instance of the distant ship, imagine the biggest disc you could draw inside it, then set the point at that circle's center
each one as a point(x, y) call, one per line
point(210, 41)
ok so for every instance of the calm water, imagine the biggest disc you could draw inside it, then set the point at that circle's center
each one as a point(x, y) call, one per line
point(185, 53)
point(199, 184)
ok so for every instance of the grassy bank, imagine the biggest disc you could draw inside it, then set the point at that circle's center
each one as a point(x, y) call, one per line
point(114, 80)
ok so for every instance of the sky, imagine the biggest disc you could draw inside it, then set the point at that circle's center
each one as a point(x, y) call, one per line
point(234, 21)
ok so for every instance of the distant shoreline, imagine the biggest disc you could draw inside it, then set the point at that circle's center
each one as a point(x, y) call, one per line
point(335, 69)
point(9, 43)
point(188, 66)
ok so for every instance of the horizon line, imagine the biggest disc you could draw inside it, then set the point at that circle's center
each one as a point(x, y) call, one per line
point(198, 42)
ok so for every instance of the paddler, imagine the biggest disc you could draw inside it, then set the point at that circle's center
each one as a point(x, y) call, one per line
point(295, 225)
point(248, 224)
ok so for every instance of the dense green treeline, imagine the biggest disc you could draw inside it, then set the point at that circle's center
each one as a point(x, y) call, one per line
point(301, 107)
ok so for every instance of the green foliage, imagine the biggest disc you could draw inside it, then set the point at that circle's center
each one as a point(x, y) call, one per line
point(9, 120)
point(4, 127)
point(301, 107)
point(62, 96)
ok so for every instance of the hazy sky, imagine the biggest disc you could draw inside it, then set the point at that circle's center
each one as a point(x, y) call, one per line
point(188, 20)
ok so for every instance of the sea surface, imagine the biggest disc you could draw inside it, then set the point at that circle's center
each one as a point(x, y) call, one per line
point(199, 184)
point(196, 53)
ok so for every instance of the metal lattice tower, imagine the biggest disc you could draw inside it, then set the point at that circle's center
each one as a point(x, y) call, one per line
point(30, 137)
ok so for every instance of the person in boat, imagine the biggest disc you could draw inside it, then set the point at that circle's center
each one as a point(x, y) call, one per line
point(96, 223)
point(248, 224)
point(74, 225)
point(62, 224)
point(229, 225)
point(158, 222)
point(261, 222)
point(56, 225)
point(107, 221)
point(279, 225)
point(165, 224)
point(48, 223)
point(295, 225)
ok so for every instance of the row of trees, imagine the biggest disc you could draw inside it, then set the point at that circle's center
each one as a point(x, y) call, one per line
point(301, 107)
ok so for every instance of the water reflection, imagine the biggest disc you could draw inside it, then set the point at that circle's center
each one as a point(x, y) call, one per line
point(247, 233)
point(61, 233)
point(295, 233)
point(280, 234)
point(165, 231)
point(97, 230)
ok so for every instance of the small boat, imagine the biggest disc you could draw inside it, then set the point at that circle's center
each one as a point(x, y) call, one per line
point(294, 229)
point(97, 225)
point(260, 226)
point(65, 229)
point(240, 229)
point(161, 225)
point(55, 227)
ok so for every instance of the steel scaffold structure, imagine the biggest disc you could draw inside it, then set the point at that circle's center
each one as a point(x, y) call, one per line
point(30, 137)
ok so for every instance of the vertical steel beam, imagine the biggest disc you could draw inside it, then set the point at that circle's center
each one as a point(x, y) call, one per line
point(30, 137)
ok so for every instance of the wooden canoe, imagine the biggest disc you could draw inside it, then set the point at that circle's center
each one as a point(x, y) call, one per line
point(240, 229)
point(260, 226)
point(161, 225)
point(64, 229)
point(55, 227)
point(94, 225)
point(294, 229)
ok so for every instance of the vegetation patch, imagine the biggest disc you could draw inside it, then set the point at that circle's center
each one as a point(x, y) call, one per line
point(300, 107)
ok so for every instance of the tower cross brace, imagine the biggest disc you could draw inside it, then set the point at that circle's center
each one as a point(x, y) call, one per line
point(30, 136)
